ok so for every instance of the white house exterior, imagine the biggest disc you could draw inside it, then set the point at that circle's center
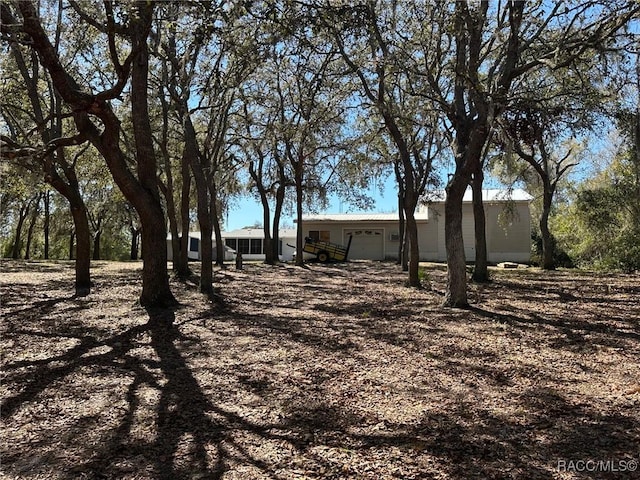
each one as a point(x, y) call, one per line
point(247, 241)
point(193, 250)
point(376, 236)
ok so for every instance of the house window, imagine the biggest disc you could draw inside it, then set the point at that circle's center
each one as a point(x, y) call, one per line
point(280, 247)
point(320, 235)
point(243, 245)
point(231, 243)
point(256, 246)
point(194, 244)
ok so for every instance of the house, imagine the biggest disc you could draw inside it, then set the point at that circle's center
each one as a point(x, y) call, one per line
point(247, 241)
point(376, 236)
point(250, 243)
point(193, 250)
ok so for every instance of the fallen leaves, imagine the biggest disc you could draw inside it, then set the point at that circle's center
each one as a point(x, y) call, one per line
point(336, 371)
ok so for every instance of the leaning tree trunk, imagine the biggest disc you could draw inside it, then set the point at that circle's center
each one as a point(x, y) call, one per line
point(32, 224)
point(480, 269)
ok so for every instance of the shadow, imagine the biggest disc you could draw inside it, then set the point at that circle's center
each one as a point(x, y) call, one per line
point(376, 387)
point(41, 306)
point(576, 332)
point(182, 409)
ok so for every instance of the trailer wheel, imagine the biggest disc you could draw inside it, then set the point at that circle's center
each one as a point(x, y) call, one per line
point(323, 257)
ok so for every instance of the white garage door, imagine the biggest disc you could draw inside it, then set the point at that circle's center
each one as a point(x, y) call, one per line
point(367, 244)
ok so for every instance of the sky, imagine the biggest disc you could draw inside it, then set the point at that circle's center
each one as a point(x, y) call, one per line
point(248, 211)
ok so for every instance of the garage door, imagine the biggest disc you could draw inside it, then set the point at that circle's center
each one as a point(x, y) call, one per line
point(367, 244)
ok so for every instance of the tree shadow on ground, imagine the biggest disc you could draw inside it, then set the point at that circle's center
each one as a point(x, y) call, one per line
point(191, 428)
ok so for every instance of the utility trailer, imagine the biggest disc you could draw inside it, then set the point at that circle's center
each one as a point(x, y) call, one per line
point(326, 251)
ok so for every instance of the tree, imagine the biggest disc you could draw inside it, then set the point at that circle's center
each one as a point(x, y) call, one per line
point(381, 58)
point(602, 226)
point(96, 120)
point(482, 50)
point(45, 114)
point(310, 113)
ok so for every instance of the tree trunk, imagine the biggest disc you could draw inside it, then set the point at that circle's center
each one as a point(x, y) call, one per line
point(281, 191)
point(83, 247)
point(32, 224)
point(135, 234)
point(204, 203)
point(480, 269)
point(156, 291)
point(185, 201)
point(547, 241)
point(402, 234)
point(267, 247)
point(47, 222)
point(270, 254)
point(17, 243)
point(206, 234)
point(414, 253)
point(456, 295)
point(300, 232)
point(72, 243)
point(217, 231)
point(167, 192)
point(96, 244)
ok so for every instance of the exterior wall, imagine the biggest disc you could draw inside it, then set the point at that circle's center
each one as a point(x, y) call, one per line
point(338, 233)
point(508, 235)
point(195, 254)
point(192, 254)
point(508, 240)
point(287, 250)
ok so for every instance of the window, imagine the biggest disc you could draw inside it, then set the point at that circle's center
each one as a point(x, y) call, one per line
point(280, 247)
point(243, 245)
point(194, 244)
point(256, 245)
point(231, 243)
point(320, 235)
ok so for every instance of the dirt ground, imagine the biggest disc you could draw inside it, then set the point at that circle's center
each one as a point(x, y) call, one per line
point(337, 371)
